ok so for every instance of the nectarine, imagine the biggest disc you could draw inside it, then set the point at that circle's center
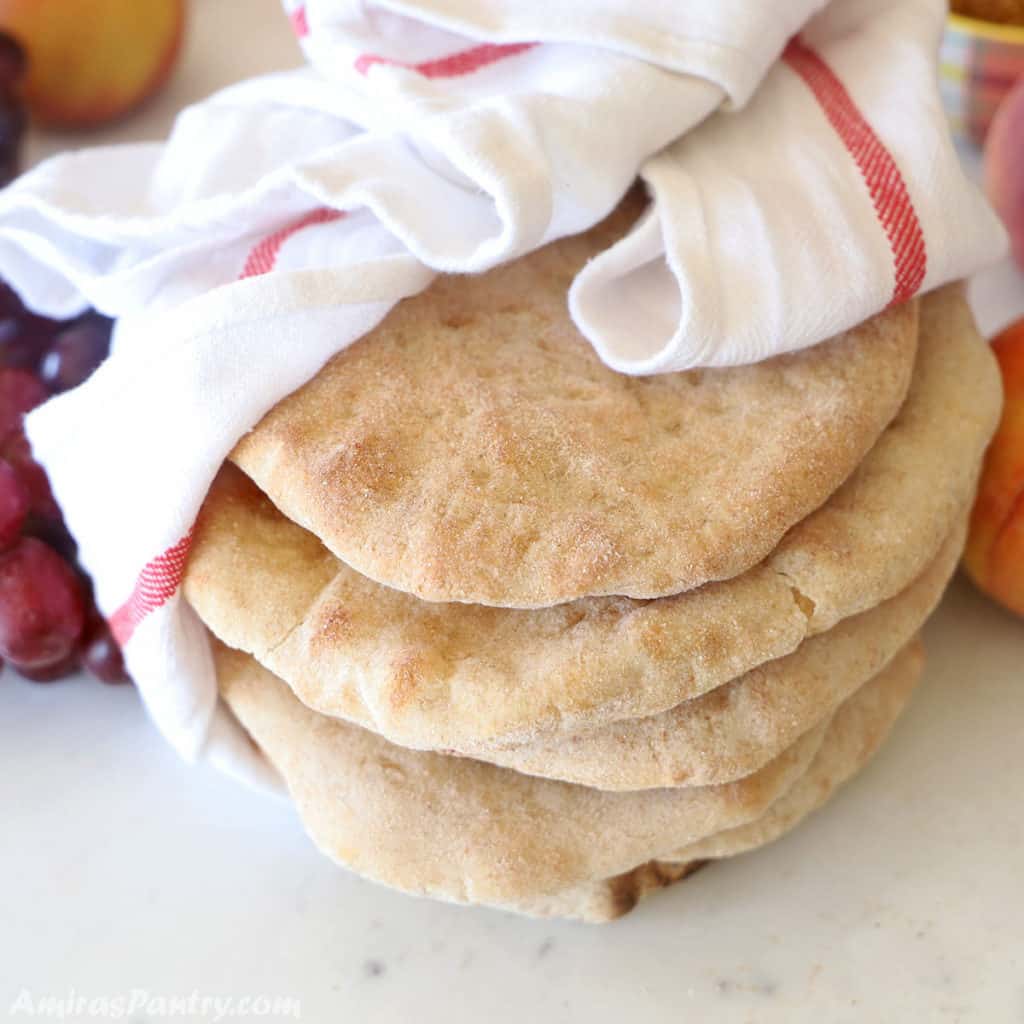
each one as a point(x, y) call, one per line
point(1004, 166)
point(91, 61)
point(995, 548)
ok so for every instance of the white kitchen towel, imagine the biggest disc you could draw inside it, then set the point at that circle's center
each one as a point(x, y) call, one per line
point(753, 246)
point(285, 217)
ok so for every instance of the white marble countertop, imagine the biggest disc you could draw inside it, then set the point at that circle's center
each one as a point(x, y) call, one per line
point(125, 872)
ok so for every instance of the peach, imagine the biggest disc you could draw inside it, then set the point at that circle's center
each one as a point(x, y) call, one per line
point(1004, 166)
point(995, 548)
point(91, 61)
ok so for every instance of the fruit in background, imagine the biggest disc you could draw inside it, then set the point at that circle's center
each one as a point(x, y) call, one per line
point(101, 655)
point(24, 338)
point(49, 624)
point(14, 505)
point(12, 130)
point(90, 61)
point(12, 111)
point(17, 453)
point(75, 352)
point(42, 611)
point(13, 63)
point(1007, 12)
point(1004, 166)
point(20, 392)
point(995, 548)
point(51, 673)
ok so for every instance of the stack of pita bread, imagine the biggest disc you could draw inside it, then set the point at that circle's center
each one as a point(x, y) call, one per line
point(518, 630)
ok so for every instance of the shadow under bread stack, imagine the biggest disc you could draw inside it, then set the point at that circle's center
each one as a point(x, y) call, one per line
point(518, 630)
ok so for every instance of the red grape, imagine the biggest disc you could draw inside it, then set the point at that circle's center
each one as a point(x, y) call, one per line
point(101, 655)
point(49, 625)
point(17, 451)
point(16, 351)
point(42, 614)
point(51, 673)
point(76, 353)
point(10, 304)
point(20, 392)
point(54, 533)
point(24, 339)
point(14, 504)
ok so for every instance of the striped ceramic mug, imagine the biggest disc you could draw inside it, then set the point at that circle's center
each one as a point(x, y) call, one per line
point(979, 63)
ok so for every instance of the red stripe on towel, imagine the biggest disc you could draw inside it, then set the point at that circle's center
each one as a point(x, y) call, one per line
point(885, 184)
point(464, 62)
point(300, 26)
point(156, 585)
point(263, 255)
point(159, 580)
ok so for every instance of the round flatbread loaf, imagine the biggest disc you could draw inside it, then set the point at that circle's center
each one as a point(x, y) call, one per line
point(465, 831)
point(465, 677)
point(474, 448)
point(736, 728)
point(847, 747)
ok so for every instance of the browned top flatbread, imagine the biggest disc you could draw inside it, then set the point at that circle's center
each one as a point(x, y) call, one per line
point(474, 448)
point(464, 676)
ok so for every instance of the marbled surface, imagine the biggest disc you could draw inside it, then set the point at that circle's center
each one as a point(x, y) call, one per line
point(901, 901)
point(123, 869)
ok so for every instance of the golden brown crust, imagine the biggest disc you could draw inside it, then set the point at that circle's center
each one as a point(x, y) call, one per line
point(464, 830)
point(470, 832)
point(467, 676)
point(848, 746)
point(901, 504)
point(736, 728)
point(626, 891)
point(474, 448)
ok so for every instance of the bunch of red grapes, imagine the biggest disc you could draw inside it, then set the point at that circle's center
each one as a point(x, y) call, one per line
point(49, 624)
